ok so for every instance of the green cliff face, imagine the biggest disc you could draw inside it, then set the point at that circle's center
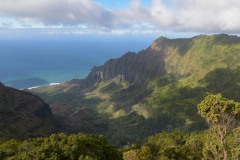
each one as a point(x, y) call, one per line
point(157, 89)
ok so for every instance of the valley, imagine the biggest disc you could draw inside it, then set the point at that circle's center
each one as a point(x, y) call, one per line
point(157, 89)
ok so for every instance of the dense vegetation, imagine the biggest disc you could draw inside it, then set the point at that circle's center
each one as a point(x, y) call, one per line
point(180, 146)
point(158, 89)
point(60, 147)
point(220, 141)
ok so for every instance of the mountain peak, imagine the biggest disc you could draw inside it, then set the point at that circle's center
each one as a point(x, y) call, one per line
point(162, 38)
point(165, 55)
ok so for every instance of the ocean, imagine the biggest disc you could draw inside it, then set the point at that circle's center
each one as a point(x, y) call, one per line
point(26, 63)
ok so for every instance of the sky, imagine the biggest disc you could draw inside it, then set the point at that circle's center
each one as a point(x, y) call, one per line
point(119, 17)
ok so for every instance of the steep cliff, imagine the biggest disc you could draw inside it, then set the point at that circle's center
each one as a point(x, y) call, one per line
point(131, 67)
point(23, 114)
point(185, 56)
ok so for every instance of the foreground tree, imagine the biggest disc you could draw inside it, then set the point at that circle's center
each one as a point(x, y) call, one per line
point(60, 147)
point(222, 116)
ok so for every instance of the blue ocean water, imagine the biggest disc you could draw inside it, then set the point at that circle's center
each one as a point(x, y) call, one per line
point(26, 63)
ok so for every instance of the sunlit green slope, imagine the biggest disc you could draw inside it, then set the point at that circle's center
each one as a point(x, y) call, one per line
point(157, 89)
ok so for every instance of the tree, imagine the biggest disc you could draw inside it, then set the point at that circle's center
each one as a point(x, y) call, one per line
point(222, 116)
point(194, 145)
point(233, 141)
point(131, 154)
point(60, 146)
point(144, 153)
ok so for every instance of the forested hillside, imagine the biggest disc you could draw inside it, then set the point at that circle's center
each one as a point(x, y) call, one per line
point(24, 115)
point(157, 89)
point(219, 141)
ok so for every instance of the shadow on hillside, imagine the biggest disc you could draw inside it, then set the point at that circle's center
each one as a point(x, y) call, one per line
point(224, 81)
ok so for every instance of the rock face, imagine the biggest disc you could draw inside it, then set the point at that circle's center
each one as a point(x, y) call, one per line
point(132, 67)
point(182, 57)
point(143, 66)
point(23, 114)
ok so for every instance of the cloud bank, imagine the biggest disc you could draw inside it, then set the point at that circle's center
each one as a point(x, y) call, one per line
point(177, 15)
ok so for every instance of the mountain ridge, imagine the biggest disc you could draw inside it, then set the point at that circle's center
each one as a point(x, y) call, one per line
point(158, 88)
point(156, 53)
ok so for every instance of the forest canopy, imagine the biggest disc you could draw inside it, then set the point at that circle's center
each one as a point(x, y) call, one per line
point(220, 141)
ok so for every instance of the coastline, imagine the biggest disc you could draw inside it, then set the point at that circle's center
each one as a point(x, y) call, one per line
point(50, 84)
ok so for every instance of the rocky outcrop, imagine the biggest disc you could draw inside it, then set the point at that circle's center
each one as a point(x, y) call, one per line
point(131, 67)
point(143, 66)
point(23, 114)
point(182, 57)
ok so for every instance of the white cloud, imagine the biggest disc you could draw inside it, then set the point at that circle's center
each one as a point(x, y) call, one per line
point(207, 16)
point(161, 15)
point(182, 15)
point(56, 12)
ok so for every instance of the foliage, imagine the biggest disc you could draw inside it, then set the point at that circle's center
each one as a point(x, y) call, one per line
point(223, 116)
point(144, 153)
point(178, 145)
point(171, 77)
point(233, 143)
point(218, 110)
point(220, 141)
point(174, 145)
point(59, 147)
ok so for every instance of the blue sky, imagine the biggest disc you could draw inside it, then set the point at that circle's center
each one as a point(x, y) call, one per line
point(120, 3)
point(119, 17)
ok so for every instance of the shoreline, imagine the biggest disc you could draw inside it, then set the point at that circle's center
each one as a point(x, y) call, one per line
point(50, 84)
